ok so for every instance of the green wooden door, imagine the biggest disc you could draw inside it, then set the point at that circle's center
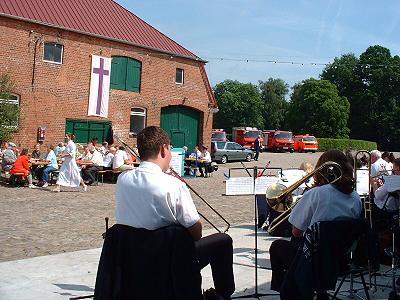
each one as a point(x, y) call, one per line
point(182, 125)
point(85, 130)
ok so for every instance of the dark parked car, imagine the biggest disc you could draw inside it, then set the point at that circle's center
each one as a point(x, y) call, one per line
point(229, 151)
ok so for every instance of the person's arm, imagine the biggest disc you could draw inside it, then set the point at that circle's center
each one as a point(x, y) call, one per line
point(196, 230)
point(296, 232)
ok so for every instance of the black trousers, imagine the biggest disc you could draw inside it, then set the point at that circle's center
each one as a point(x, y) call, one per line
point(204, 166)
point(217, 250)
point(89, 173)
point(282, 254)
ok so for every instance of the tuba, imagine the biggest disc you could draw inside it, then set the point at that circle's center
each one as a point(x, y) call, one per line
point(279, 197)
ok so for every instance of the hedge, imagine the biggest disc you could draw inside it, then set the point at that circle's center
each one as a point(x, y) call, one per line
point(325, 144)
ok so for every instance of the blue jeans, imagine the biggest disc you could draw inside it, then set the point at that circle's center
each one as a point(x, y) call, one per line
point(46, 172)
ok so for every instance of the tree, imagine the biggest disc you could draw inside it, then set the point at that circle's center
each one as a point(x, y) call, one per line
point(371, 83)
point(316, 108)
point(273, 93)
point(239, 105)
point(9, 112)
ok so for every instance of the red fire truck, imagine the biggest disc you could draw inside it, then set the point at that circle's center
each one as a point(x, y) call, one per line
point(278, 140)
point(218, 135)
point(246, 136)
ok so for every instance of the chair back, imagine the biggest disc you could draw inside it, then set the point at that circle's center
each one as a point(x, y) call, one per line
point(148, 264)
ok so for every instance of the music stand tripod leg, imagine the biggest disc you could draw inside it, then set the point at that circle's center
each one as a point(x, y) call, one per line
point(256, 294)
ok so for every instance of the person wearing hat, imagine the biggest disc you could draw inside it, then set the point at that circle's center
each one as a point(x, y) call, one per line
point(9, 156)
point(206, 160)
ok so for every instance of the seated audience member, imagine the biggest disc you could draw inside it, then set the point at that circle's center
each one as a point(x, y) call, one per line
point(89, 171)
point(104, 149)
point(21, 165)
point(59, 149)
point(52, 166)
point(36, 152)
point(389, 158)
point(203, 166)
point(121, 160)
point(378, 165)
point(196, 152)
point(9, 156)
point(94, 141)
point(160, 200)
point(108, 159)
point(324, 202)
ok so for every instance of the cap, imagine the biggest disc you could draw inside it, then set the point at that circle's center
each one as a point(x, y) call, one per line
point(11, 144)
point(204, 147)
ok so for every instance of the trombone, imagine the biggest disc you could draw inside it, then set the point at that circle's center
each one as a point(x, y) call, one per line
point(280, 199)
point(175, 174)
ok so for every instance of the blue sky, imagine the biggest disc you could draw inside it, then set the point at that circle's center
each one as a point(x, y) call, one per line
point(302, 31)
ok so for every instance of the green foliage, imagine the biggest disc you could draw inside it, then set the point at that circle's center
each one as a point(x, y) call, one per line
point(315, 107)
point(273, 92)
point(325, 144)
point(9, 113)
point(372, 86)
point(239, 105)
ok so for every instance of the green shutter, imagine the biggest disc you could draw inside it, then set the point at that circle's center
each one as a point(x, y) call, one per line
point(118, 73)
point(133, 69)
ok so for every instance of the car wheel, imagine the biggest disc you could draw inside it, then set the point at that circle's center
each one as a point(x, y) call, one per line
point(291, 150)
point(248, 157)
point(224, 159)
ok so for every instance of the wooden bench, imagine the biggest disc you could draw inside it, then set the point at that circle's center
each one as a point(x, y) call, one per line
point(101, 173)
point(16, 179)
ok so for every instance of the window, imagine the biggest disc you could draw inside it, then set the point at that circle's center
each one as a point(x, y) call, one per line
point(138, 120)
point(230, 146)
point(125, 74)
point(11, 116)
point(53, 52)
point(179, 76)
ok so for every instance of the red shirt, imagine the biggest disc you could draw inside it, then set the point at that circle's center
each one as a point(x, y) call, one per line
point(20, 165)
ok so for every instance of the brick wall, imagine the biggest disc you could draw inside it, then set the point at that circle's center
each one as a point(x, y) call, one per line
point(62, 91)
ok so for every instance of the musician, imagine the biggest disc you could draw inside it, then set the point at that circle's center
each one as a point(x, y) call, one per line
point(149, 198)
point(385, 200)
point(323, 202)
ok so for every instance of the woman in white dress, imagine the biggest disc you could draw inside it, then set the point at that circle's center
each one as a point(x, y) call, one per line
point(69, 172)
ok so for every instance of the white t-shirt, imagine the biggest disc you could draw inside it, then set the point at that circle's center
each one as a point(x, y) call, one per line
point(108, 160)
point(324, 203)
point(379, 166)
point(148, 198)
point(119, 159)
point(206, 155)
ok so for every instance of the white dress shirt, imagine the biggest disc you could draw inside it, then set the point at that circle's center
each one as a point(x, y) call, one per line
point(119, 159)
point(148, 198)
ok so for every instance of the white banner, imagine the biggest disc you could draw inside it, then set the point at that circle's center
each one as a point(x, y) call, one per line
point(99, 86)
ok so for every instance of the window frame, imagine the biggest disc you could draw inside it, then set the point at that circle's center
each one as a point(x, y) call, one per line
point(62, 53)
point(139, 114)
point(16, 102)
point(183, 76)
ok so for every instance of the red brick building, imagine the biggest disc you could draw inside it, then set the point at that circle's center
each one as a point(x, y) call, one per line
point(46, 47)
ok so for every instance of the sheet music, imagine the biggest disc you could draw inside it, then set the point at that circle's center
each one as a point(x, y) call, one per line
point(239, 186)
point(392, 183)
point(362, 183)
point(263, 182)
point(177, 160)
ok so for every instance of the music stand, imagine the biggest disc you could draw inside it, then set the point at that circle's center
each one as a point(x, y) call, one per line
point(256, 294)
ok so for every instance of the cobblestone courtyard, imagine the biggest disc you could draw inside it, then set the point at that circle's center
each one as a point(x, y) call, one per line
point(37, 222)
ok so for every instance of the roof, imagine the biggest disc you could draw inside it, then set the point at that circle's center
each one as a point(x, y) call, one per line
point(102, 18)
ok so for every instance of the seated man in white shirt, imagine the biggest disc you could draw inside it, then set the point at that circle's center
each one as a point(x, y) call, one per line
point(121, 160)
point(108, 158)
point(203, 166)
point(149, 198)
point(89, 171)
point(378, 165)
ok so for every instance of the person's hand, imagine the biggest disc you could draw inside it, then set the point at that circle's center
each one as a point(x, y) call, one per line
point(376, 183)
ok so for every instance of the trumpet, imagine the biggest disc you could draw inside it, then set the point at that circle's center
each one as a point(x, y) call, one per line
point(280, 199)
point(175, 174)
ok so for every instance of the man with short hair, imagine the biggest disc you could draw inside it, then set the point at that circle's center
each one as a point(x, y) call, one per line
point(9, 156)
point(149, 198)
point(52, 166)
point(121, 160)
point(378, 165)
point(89, 171)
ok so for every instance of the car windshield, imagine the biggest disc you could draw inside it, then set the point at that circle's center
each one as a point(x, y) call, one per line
point(283, 135)
point(309, 139)
point(251, 134)
point(220, 145)
point(218, 135)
